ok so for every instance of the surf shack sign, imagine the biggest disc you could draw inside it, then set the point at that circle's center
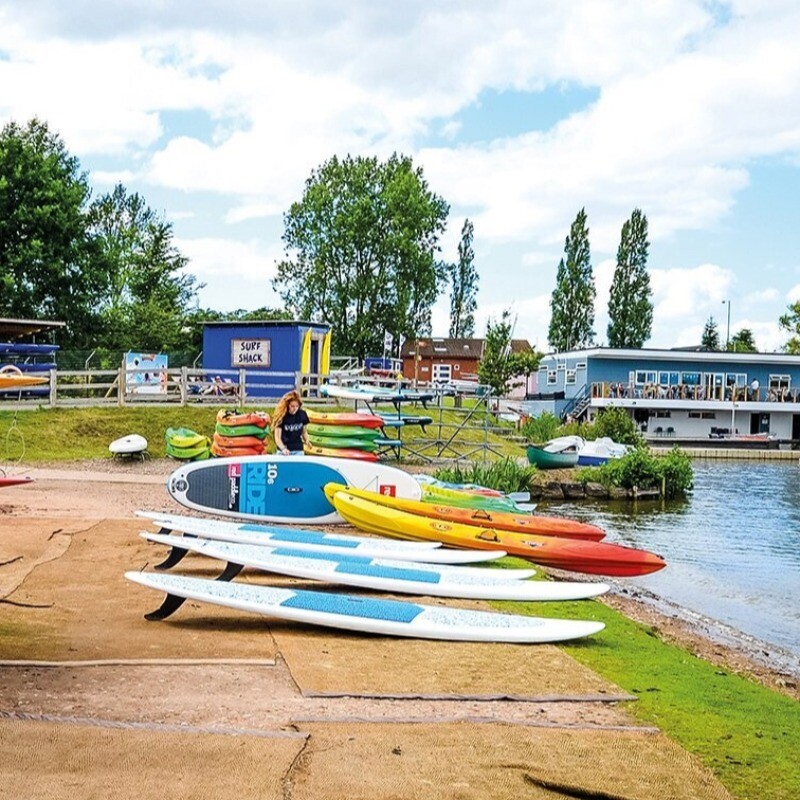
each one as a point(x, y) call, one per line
point(250, 353)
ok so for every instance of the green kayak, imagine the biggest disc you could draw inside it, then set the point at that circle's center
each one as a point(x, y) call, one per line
point(348, 431)
point(242, 430)
point(354, 443)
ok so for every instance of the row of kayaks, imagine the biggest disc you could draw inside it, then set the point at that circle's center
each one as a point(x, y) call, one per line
point(334, 435)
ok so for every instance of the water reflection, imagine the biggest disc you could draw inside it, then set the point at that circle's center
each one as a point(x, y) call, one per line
point(733, 547)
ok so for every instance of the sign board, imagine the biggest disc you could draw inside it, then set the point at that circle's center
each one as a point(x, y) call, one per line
point(250, 353)
point(146, 373)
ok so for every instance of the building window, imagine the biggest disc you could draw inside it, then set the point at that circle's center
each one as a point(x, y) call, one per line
point(692, 378)
point(645, 376)
point(552, 377)
point(694, 415)
point(779, 381)
point(708, 415)
point(738, 379)
point(572, 376)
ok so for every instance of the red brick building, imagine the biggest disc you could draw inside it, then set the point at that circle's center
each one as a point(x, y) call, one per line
point(430, 359)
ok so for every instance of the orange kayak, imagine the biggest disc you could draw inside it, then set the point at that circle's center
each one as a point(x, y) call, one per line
point(238, 441)
point(345, 418)
point(234, 417)
point(227, 452)
point(500, 520)
point(595, 558)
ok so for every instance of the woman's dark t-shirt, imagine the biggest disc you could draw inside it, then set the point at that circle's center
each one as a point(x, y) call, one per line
point(292, 430)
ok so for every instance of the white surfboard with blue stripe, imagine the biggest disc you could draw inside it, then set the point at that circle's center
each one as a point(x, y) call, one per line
point(370, 615)
point(281, 488)
point(316, 541)
point(386, 575)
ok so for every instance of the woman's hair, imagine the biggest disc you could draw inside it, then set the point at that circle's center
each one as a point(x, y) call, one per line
point(283, 407)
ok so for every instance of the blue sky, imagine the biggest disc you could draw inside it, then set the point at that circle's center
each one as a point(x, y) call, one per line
point(520, 113)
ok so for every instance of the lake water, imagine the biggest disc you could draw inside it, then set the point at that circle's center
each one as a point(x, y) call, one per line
point(732, 547)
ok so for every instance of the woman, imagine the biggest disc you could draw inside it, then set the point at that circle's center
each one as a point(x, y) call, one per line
point(289, 423)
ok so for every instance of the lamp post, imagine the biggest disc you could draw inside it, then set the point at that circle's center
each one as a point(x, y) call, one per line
point(728, 330)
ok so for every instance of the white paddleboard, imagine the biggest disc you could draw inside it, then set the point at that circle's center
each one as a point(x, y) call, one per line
point(370, 615)
point(128, 445)
point(385, 575)
point(316, 541)
point(281, 488)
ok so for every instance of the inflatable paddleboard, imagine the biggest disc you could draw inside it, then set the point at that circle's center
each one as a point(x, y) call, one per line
point(318, 542)
point(385, 575)
point(258, 555)
point(370, 615)
point(281, 488)
point(128, 445)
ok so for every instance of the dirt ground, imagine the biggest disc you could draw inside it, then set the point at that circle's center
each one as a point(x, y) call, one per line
point(251, 687)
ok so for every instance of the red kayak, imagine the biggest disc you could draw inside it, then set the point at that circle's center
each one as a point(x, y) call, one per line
point(345, 418)
point(6, 480)
point(340, 452)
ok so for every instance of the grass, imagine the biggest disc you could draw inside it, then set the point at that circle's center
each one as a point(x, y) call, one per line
point(747, 734)
point(67, 434)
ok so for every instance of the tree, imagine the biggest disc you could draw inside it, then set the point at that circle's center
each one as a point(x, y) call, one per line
point(48, 267)
point(464, 278)
point(710, 338)
point(630, 310)
point(498, 365)
point(364, 237)
point(790, 322)
point(147, 295)
point(572, 302)
point(743, 342)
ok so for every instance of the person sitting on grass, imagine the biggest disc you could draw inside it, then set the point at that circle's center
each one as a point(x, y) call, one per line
point(289, 423)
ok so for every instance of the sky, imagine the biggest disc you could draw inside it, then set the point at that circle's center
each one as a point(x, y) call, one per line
point(519, 114)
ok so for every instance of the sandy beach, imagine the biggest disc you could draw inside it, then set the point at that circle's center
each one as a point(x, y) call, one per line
point(84, 658)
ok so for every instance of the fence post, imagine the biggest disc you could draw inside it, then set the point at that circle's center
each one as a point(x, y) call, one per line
point(121, 388)
point(184, 385)
point(242, 390)
point(53, 384)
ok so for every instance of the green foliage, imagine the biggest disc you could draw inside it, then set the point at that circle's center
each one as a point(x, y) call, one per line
point(790, 322)
point(147, 293)
point(743, 341)
point(499, 365)
point(364, 238)
point(639, 469)
point(464, 279)
point(506, 475)
point(542, 428)
point(48, 264)
point(630, 309)
point(710, 338)
point(616, 424)
point(572, 302)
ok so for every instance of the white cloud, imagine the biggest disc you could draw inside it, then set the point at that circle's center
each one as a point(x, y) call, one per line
point(229, 258)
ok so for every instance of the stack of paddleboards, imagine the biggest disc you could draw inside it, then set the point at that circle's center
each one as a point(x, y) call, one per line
point(344, 435)
point(240, 433)
point(277, 489)
point(184, 444)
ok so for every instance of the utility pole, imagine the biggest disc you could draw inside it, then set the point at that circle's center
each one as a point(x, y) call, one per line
point(728, 330)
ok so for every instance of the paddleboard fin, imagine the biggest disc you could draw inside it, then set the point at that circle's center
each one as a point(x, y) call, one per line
point(172, 602)
point(175, 555)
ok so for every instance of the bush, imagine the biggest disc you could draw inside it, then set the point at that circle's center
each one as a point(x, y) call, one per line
point(506, 475)
point(541, 428)
point(617, 425)
point(672, 474)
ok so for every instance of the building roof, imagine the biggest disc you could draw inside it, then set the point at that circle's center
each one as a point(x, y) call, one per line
point(439, 347)
point(655, 354)
point(18, 328)
point(262, 323)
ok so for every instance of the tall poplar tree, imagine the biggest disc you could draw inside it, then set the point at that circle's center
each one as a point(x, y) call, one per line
point(572, 301)
point(630, 309)
point(464, 278)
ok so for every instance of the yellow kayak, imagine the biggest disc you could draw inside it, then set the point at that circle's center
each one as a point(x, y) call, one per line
point(571, 554)
point(13, 378)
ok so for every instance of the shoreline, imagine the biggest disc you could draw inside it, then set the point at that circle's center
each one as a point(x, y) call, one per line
point(707, 638)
